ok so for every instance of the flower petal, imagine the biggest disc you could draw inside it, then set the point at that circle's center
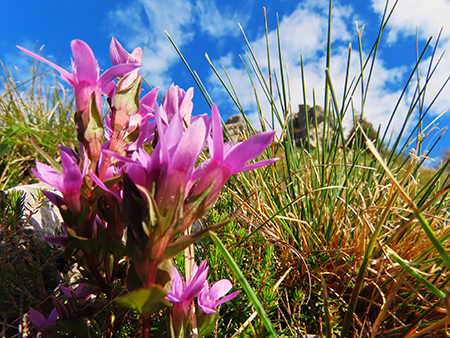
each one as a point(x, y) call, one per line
point(178, 287)
point(114, 72)
point(64, 73)
point(37, 319)
point(117, 53)
point(259, 164)
point(220, 288)
point(86, 66)
point(48, 175)
point(248, 150)
point(216, 147)
point(227, 298)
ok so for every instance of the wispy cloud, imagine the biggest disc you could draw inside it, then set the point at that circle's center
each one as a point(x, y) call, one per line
point(143, 22)
point(428, 17)
point(217, 23)
point(305, 31)
point(425, 19)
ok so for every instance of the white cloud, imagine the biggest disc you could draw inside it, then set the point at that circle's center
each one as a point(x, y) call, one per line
point(145, 22)
point(305, 31)
point(302, 31)
point(427, 16)
point(217, 23)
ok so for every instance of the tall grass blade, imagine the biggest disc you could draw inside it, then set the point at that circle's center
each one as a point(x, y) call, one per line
point(415, 274)
point(245, 285)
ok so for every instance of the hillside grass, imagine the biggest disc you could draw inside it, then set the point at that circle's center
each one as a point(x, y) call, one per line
point(346, 239)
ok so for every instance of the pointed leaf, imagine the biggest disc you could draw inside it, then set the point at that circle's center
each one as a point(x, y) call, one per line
point(413, 272)
point(245, 285)
point(183, 242)
point(133, 211)
point(55, 165)
point(133, 136)
point(146, 300)
point(94, 128)
point(127, 100)
point(153, 212)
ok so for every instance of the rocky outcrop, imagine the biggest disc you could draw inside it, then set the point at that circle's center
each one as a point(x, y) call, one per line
point(298, 127)
point(236, 127)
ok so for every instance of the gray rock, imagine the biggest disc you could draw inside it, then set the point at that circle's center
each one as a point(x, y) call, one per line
point(236, 127)
point(299, 129)
point(42, 216)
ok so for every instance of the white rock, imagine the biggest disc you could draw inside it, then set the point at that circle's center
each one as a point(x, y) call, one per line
point(45, 216)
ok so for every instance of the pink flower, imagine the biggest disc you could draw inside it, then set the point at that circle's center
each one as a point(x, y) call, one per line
point(226, 160)
point(208, 299)
point(119, 55)
point(182, 293)
point(68, 183)
point(176, 99)
point(79, 293)
point(85, 79)
point(41, 323)
point(174, 158)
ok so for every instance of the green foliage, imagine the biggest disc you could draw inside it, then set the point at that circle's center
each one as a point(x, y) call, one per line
point(333, 212)
point(28, 266)
point(257, 262)
point(330, 212)
point(37, 109)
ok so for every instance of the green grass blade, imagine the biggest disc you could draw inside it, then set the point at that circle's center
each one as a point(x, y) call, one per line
point(436, 243)
point(245, 285)
point(189, 69)
point(416, 275)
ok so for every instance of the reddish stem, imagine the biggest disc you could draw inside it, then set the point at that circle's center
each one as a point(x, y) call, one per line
point(115, 267)
point(151, 277)
point(146, 325)
point(146, 321)
point(94, 270)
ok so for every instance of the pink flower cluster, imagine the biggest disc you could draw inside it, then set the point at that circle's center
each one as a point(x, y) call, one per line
point(169, 188)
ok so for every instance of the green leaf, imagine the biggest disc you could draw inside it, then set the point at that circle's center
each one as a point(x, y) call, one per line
point(127, 100)
point(55, 165)
point(72, 326)
point(94, 128)
point(133, 136)
point(183, 242)
point(412, 271)
point(149, 224)
point(4, 149)
point(133, 214)
point(146, 300)
point(432, 237)
point(245, 285)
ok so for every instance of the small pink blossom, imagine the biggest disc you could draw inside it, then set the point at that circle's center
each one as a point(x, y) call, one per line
point(208, 299)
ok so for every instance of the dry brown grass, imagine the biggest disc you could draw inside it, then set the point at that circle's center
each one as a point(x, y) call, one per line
point(390, 298)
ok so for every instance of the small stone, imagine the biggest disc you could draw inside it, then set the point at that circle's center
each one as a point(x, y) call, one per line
point(42, 216)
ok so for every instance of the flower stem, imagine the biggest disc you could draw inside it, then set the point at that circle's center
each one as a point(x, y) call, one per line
point(146, 325)
point(94, 270)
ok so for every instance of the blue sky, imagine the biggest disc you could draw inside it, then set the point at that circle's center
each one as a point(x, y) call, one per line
point(202, 26)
